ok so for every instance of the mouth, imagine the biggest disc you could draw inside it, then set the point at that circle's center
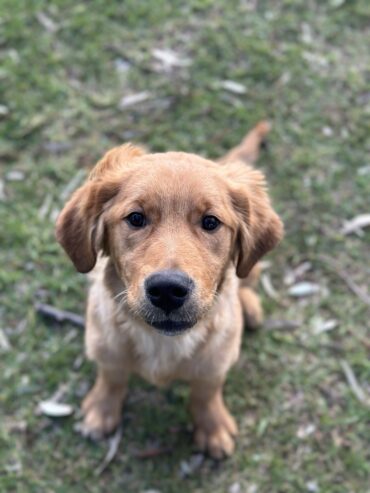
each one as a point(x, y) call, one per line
point(170, 327)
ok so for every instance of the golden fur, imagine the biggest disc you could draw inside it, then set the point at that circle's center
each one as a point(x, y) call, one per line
point(174, 190)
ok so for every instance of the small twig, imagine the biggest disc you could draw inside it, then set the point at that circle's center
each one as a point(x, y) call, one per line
point(59, 315)
point(114, 442)
point(151, 452)
point(273, 324)
point(334, 267)
point(45, 207)
point(72, 185)
point(333, 347)
point(297, 273)
point(354, 385)
point(269, 288)
point(60, 392)
point(4, 342)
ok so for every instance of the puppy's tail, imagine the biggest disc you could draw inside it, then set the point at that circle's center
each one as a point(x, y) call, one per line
point(248, 149)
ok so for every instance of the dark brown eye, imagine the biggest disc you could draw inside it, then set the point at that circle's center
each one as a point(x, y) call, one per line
point(136, 219)
point(210, 223)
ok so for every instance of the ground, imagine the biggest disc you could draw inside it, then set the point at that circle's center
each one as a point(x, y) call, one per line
point(68, 69)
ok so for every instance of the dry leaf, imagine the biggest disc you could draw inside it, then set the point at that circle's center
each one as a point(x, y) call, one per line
point(15, 175)
point(276, 324)
point(305, 430)
point(4, 342)
point(364, 170)
point(46, 22)
point(55, 409)
point(327, 131)
point(303, 289)
point(321, 325)
point(307, 35)
point(268, 287)
point(45, 207)
point(113, 445)
point(295, 274)
point(356, 224)
point(4, 110)
point(72, 184)
point(232, 86)
point(312, 486)
point(235, 488)
point(133, 99)
point(2, 191)
point(170, 59)
point(187, 468)
point(122, 65)
point(265, 264)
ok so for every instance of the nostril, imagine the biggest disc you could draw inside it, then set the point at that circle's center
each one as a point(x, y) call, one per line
point(154, 292)
point(179, 292)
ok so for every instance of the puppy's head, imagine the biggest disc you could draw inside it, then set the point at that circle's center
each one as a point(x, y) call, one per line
point(172, 225)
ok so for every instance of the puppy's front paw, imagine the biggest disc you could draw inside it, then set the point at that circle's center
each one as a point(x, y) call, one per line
point(219, 444)
point(217, 440)
point(102, 414)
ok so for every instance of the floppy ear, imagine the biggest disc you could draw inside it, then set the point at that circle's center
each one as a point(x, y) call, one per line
point(259, 228)
point(80, 226)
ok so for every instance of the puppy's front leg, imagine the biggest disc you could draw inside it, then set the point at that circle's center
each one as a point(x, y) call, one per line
point(103, 404)
point(214, 425)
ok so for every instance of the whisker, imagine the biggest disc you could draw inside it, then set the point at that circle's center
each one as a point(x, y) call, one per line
point(122, 293)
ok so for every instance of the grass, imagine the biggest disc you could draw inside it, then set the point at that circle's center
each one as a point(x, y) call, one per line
point(305, 65)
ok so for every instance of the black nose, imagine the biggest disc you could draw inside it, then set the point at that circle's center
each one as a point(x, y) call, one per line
point(168, 289)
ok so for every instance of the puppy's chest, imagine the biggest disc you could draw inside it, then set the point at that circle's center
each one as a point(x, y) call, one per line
point(161, 359)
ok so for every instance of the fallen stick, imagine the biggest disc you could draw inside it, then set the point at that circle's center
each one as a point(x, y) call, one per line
point(151, 452)
point(113, 446)
point(269, 288)
point(275, 324)
point(352, 382)
point(334, 267)
point(58, 315)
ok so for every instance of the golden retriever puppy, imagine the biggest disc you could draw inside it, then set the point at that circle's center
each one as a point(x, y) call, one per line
point(169, 237)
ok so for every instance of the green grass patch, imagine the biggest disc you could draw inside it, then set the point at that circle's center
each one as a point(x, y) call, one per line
point(305, 65)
